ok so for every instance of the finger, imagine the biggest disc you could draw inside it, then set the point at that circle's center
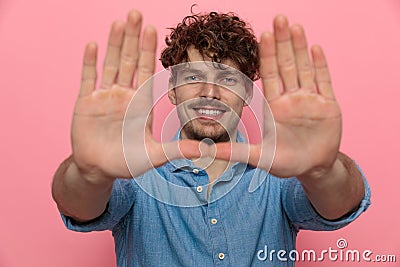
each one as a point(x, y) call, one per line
point(322, 76)
point(285, 55)
point(186, 148)
point(130, 49)
point(89, 73)
point(303, 63)
point(236, 152)
point(146, 66)
point(111, 62)
point(147, 57)
point(268, 66)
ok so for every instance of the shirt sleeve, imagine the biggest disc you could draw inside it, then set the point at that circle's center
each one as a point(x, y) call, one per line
point(121, 201)
point(303, 215)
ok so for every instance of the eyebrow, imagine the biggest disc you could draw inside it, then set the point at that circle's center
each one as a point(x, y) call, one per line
point(220, 72)
point(229, 72)
point(191, 70)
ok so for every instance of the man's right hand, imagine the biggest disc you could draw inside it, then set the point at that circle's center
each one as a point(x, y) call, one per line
point(99, 113)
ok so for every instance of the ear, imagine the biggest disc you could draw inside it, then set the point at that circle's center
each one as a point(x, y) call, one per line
point(172, 96)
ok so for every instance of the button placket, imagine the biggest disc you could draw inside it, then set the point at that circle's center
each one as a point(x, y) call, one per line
point(200, 184)
point(217, 235)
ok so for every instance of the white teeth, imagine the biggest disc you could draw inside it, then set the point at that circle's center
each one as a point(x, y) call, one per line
point(209, 112)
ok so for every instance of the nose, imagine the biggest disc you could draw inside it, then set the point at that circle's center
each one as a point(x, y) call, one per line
point(210, 90)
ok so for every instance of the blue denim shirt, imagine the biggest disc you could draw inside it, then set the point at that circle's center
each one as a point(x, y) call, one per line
point(152, 226)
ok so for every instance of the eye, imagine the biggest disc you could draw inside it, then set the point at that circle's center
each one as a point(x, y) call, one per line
point(228, 81)
point(192, 78)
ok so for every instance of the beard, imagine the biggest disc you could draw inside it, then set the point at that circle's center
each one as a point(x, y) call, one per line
point(214, 131)
point(199, 130)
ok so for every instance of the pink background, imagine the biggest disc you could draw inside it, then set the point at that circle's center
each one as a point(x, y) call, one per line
point(41, 45)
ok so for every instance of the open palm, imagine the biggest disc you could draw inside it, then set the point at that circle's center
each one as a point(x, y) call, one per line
point(306, 114)
point(99, 115)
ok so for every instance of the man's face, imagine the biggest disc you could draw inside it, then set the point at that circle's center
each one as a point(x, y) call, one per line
point(209, 97)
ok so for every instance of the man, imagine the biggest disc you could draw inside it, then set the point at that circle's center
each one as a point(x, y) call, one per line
point(229, 225)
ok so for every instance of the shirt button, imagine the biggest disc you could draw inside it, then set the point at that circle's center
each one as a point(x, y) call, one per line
point(195, 171)
point(199, 189)
point(214, 221)
point(221, 256)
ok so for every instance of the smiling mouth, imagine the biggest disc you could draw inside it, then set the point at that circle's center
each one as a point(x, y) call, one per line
point(209, 113)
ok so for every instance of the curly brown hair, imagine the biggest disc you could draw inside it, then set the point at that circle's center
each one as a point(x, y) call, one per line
point(218, 36)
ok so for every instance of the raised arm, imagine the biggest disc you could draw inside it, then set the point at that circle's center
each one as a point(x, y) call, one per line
point(82, 184)
point(308, 123)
